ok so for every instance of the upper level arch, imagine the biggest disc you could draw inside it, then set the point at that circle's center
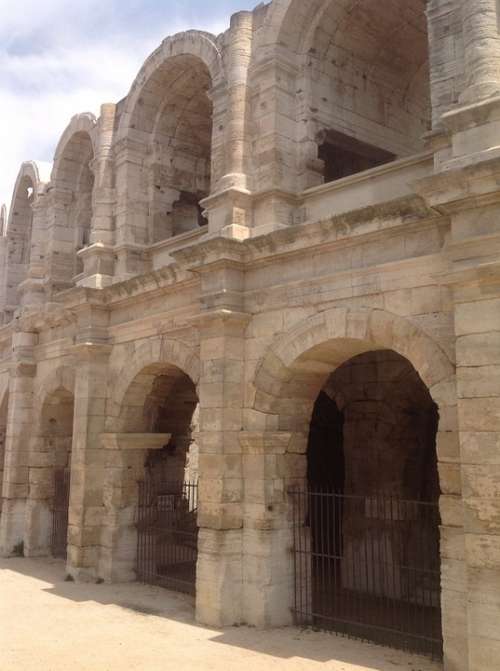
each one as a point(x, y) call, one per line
point(3, 220)
point(361, 93)
point(19, 234)
point(195, 46)
point(73, 183)
point(168, 119)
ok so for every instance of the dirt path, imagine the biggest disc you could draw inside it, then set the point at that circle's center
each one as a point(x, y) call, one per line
point(47, 624)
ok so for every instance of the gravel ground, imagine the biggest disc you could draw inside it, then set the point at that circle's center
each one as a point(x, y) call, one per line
point(47, 624)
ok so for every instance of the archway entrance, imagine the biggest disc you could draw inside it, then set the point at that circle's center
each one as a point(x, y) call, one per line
point(367, 524)
point(56, 441)
point(3, 431)
point(162, 403)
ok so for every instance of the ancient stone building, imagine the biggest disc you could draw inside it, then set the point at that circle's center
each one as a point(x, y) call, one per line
point(270, 277)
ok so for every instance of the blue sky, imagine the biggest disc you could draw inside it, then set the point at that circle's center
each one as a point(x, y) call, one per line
point(59, 57)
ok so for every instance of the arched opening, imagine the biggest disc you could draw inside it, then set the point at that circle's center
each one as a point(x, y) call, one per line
point(19, 242)
point(174, 114)
point(366, 76)
point(160, 403)
point(74, 176)
point(370, 562)
point(49, 477)
point(3, 431)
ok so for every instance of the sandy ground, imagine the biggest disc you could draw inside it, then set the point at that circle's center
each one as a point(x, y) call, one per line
point(47, 624)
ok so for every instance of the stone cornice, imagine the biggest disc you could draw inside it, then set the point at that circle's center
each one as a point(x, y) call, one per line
point(213, 250)
point(475, 114)
point(134, 441)
point(462, 188)
point(347, 229)
point(221, 314)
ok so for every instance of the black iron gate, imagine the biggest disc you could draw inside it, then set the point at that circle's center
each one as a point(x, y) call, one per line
point(167, 534)
point(368, 567)
point(60, 510)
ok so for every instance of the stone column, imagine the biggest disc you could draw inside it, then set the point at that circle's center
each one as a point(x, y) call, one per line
point(132, 209)
point(125, 454)
point(229, 209)
point(32, 290)
point(481, 49)
point(269, 460)
point(239, 52)
point(98, 257)
point(219, 570)
point(222, 325)
point(88, 459)
point(17, 442)
point(60, 245)
point(471, 582)
point(477, 318)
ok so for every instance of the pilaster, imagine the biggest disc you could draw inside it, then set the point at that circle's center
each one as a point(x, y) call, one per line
point(482, 49)
point(472, 200)
point(17, 442)
point(221, 323)
point(88, 459)
point(98, 258)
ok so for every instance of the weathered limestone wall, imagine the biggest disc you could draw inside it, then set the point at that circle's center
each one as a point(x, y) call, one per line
point(217, 292)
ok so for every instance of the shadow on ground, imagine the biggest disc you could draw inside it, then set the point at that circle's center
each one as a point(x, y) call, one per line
point(150, 601)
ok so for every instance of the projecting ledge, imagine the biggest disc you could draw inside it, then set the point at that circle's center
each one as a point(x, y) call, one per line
point(134, 441)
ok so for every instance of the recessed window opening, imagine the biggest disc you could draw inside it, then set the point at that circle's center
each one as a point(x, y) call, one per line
point(343, 155)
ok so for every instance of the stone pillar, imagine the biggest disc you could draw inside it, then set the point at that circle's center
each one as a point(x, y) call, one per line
point(481, 49)
point(61, 246)
point(222, 326)
point(269, 460)
point(17, 442)
point(88, 458)
point(474, 278)
point(229, 210)
point(98, 257)
point(239, 52)
point(125, 454)
point(32, 290)
point(219, 569)
point(477, 318)
point(132, 209)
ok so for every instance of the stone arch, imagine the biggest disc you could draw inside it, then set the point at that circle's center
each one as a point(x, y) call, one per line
point(3, 221)
point(73, 184)
point(288, 380)
point(361, 93)
point(151, 410)
point(284, 23)
point(168, 125)
point(84, 123)
point(194, 43)
point(19, 235)
point(299, 362)
point(63, 377)
point(151, 354)
point(50, 463)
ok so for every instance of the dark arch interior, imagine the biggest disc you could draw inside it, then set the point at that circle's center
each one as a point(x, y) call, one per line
point(373, 430)
point(372, 504)
point(56, 440)
point(167, 505)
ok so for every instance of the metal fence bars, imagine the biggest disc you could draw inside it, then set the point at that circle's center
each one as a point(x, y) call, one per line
point(368, 567)
point(60, 511)
point(167, 534)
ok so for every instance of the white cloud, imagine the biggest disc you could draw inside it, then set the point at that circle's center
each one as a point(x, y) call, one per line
point(58, 59)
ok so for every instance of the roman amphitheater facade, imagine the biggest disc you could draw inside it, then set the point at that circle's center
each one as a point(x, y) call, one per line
point(304, 207)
